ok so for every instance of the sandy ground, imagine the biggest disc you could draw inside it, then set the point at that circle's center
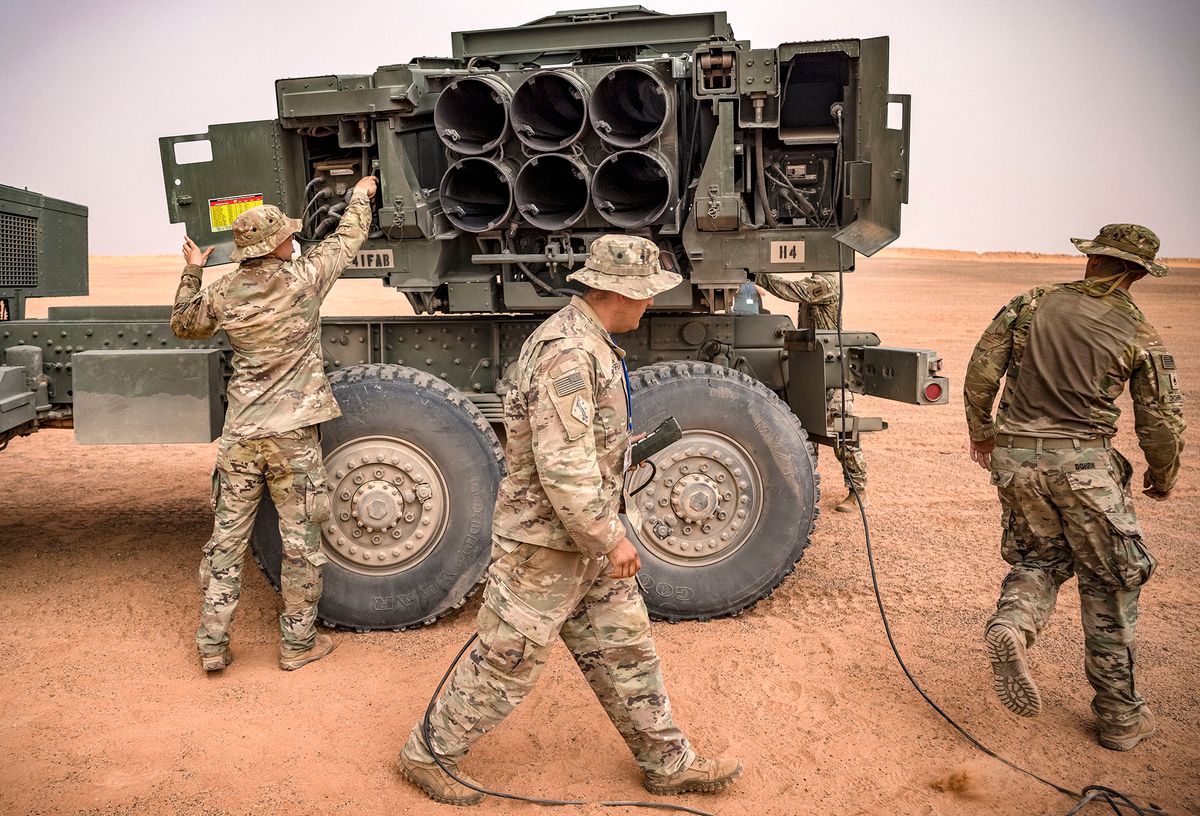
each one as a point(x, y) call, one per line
point(104, 710)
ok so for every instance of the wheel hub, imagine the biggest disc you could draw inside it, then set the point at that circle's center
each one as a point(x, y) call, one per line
point(695, 498)
point(389, 503)
point(704, 502)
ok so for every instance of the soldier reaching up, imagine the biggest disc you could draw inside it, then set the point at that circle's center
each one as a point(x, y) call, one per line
point(269, 307)
point(1065, 353)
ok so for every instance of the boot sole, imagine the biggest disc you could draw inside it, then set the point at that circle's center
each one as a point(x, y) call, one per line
point(1122, 745)
point(698, 786)
point(474, 799)
point(1010, 676)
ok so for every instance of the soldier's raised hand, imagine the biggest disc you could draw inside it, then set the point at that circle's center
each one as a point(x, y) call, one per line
point(194, 255)
point(368, 184)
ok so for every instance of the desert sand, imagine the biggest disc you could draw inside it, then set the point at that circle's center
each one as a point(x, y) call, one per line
point(104, 709)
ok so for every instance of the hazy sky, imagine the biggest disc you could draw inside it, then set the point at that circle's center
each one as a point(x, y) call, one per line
point(1032, 121)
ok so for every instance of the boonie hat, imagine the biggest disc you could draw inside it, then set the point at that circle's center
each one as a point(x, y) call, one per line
point(259, 230)
point(627, 265)
point(1130, 242)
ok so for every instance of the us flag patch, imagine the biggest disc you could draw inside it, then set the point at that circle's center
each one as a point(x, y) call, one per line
point(568, 383)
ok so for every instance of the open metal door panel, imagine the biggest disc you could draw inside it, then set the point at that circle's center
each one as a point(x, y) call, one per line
point(244, 165)
point(877, 179)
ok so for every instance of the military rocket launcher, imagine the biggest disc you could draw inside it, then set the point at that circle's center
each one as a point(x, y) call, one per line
point(497, 167)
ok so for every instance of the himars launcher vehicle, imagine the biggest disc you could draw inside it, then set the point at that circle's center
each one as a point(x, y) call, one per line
point(497, 167)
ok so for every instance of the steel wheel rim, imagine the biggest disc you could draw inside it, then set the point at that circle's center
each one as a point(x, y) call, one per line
point(704, 503)
point(389, 504)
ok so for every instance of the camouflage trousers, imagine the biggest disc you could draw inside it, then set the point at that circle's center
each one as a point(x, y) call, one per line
point(850, 455)
point(534, 593)
point(291, 467)
point(1070, 512)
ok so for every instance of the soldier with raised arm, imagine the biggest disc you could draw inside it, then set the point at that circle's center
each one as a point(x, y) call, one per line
point(1065, 353)
point(562, 564)
point(269, 308)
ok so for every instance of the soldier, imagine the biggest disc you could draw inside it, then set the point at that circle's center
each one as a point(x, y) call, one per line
point(562, 564)
point(1066, 352)
point(269, 307)
point(819, 293)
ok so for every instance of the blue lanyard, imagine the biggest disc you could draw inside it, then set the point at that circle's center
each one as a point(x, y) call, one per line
point(628, 398)
point(628, 390)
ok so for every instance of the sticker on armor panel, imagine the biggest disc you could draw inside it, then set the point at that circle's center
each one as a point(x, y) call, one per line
point(222, 212)
point(787, 252)
point(568, 383)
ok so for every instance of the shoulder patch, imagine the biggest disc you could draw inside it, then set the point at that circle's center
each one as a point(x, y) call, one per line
point(1168, 361)
point(582, 411)
point(568, 383)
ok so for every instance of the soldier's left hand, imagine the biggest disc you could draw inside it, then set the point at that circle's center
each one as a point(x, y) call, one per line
point(624, 560)
point(1152, 491)
point(981, 453)
point(194, 255)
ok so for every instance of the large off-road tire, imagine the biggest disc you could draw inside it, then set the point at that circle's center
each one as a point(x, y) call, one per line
point(413, 471)
point(733, 502)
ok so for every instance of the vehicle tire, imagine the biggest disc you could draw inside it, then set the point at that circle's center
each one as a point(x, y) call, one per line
point(732, 504)
point(413, 470)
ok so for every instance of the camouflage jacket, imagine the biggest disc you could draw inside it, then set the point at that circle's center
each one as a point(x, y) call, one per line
point(566, 416)
point(819, 290)
point(270, 310)
point(1065, 353)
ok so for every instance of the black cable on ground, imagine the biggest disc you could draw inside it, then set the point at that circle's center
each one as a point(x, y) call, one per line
point(1092, 793)
point(499, 794)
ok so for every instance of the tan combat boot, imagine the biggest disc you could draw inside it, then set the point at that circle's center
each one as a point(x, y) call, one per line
point(1010, 676)
point(850, 504)
point(439, 785)
point(322, 645)
point(702, 776)
point(216, 662)
point(1125, 739)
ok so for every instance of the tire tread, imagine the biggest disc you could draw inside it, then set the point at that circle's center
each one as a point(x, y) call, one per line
point(450, 394)
point(658, 373)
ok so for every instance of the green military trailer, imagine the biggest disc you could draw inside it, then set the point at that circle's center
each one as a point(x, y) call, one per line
point(497, 167)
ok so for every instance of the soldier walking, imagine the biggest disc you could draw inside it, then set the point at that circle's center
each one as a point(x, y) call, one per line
point(1065, 353)
point(820, 294)
point(269, 307)
point(562, 564)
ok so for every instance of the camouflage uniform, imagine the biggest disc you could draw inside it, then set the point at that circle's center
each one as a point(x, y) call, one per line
point(566, 415)
point(1065, 353)
point(270, 311)
point(821, 292)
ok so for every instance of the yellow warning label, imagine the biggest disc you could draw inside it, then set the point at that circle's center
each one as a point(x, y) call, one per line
point(223, 211)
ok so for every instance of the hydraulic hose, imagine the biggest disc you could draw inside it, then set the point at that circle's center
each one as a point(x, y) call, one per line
point(761, 186)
